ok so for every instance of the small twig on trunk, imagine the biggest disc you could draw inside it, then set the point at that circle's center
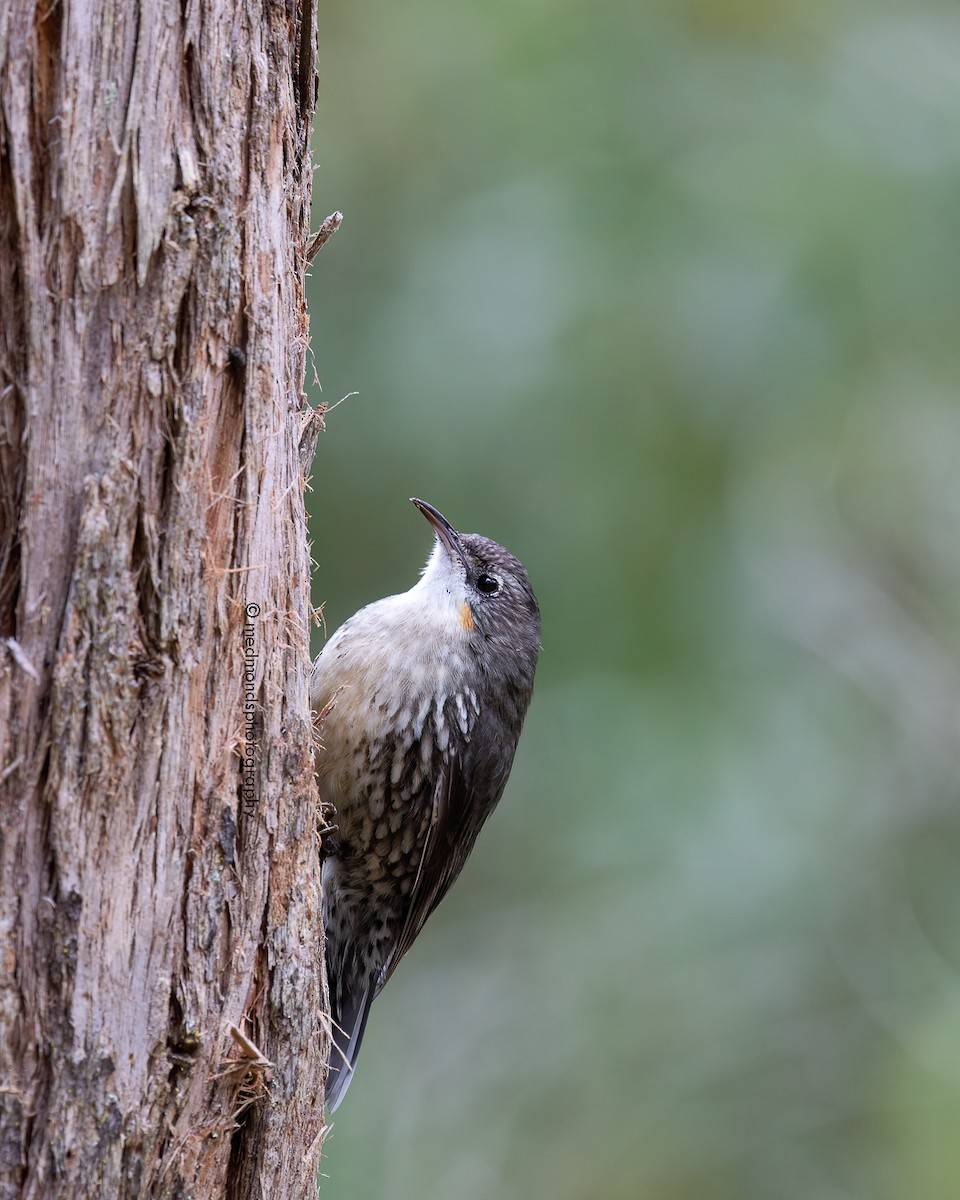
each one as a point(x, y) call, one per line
point(327, 229)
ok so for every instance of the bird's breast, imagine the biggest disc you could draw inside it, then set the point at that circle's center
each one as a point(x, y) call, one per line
point(398, 709)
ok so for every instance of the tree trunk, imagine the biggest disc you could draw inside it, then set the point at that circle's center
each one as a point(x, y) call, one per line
point(161, 984)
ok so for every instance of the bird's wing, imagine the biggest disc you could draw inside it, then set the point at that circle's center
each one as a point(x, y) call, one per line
point(465, 793)
point(454, 825)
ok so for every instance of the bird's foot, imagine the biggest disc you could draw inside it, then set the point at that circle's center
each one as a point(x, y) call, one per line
point(328, 832)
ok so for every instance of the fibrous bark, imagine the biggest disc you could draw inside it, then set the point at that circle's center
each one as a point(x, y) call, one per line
point(160, 915)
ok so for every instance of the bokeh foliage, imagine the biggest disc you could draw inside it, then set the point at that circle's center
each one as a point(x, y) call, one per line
point(665, 295)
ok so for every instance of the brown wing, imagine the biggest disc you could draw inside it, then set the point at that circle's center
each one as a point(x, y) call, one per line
point(464, 795)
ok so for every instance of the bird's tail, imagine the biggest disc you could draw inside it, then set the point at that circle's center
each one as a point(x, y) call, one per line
point(349, 1016)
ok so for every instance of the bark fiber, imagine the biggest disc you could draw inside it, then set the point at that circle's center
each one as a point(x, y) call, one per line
point(158, 810)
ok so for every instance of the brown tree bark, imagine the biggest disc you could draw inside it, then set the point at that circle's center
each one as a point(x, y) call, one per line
point(161, 987)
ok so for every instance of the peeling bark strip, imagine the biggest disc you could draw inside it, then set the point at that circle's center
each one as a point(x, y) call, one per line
point(159, 915)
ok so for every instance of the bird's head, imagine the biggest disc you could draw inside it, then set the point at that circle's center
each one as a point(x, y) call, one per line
point(487, 589)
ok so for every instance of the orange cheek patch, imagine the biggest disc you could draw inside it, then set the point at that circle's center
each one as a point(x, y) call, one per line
point(466, 617)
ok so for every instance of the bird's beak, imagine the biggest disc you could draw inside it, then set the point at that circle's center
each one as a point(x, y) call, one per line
point(448, 536)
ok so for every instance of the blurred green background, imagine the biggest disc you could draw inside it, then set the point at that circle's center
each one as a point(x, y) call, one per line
point(665, 296)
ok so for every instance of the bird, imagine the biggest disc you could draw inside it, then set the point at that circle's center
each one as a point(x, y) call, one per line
point(420, 698)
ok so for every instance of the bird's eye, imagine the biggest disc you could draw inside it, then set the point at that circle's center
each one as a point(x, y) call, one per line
point(488, 584)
